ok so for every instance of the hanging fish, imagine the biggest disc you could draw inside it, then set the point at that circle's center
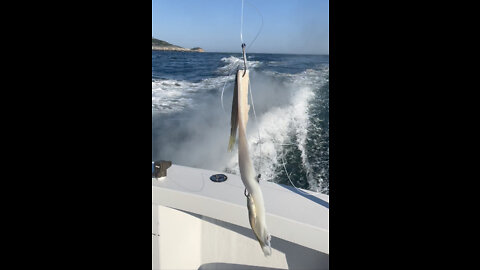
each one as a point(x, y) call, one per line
point(239, 119)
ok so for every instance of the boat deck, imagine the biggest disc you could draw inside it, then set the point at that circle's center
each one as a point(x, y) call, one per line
point(300, 217)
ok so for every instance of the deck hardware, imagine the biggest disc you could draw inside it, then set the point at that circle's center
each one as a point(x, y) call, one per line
point(160, 168)
point(218, 178)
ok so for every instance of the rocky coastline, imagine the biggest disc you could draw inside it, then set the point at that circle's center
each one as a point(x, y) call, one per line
point(160, 45)
point(177, 49)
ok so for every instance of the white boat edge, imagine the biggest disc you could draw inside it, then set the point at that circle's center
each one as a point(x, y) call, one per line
point(201, 224)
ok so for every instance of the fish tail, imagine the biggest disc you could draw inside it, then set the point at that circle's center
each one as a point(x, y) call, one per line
point(266, 247)
point(234, 118)
point(231, 142)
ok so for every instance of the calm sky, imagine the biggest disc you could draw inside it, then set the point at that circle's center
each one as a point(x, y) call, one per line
point(289, 26)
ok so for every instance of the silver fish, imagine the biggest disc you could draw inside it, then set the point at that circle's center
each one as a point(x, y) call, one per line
point(255, 204)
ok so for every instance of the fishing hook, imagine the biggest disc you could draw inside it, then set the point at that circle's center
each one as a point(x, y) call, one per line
point(245, 192)
point(244, 59)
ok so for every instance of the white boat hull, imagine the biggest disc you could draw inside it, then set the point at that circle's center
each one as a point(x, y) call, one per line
point(200, 224)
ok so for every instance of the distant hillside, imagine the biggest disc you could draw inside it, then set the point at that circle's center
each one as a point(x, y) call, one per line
point(160, 45)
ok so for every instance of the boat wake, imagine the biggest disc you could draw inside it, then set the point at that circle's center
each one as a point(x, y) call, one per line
point(283, 132)
point(291, 125)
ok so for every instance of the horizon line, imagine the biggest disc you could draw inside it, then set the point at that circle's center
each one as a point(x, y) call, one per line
point(320, 54)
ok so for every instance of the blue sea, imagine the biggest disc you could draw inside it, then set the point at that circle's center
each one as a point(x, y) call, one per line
point(287, 132)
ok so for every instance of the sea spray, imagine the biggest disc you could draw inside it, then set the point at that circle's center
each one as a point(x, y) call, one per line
point(189, 125)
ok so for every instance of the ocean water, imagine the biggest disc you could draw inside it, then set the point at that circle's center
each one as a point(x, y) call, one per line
point(288, 130)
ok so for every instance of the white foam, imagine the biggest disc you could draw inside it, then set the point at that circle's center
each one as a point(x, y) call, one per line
point(277, 124)
point(234, 63)
point(172, 96)
point(311, 78)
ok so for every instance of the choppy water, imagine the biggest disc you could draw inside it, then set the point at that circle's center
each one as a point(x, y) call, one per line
point(291, 99)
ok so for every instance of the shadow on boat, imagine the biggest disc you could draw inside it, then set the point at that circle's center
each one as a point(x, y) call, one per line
point(297, 256)
point(233, 266)
point(306, 195)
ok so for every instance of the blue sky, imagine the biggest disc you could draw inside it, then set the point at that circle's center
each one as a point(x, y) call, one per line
point(289, 26)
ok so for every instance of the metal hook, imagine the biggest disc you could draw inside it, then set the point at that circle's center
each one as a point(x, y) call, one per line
point(244, 59)
point(245, 191)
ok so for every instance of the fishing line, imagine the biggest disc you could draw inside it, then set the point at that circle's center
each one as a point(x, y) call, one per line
point(258, 127)
point(251, 95)
point(249, 45)
point(249, 85)
point(288, 176)
point(284, 167)
point(241, 25)
point(261, 25)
